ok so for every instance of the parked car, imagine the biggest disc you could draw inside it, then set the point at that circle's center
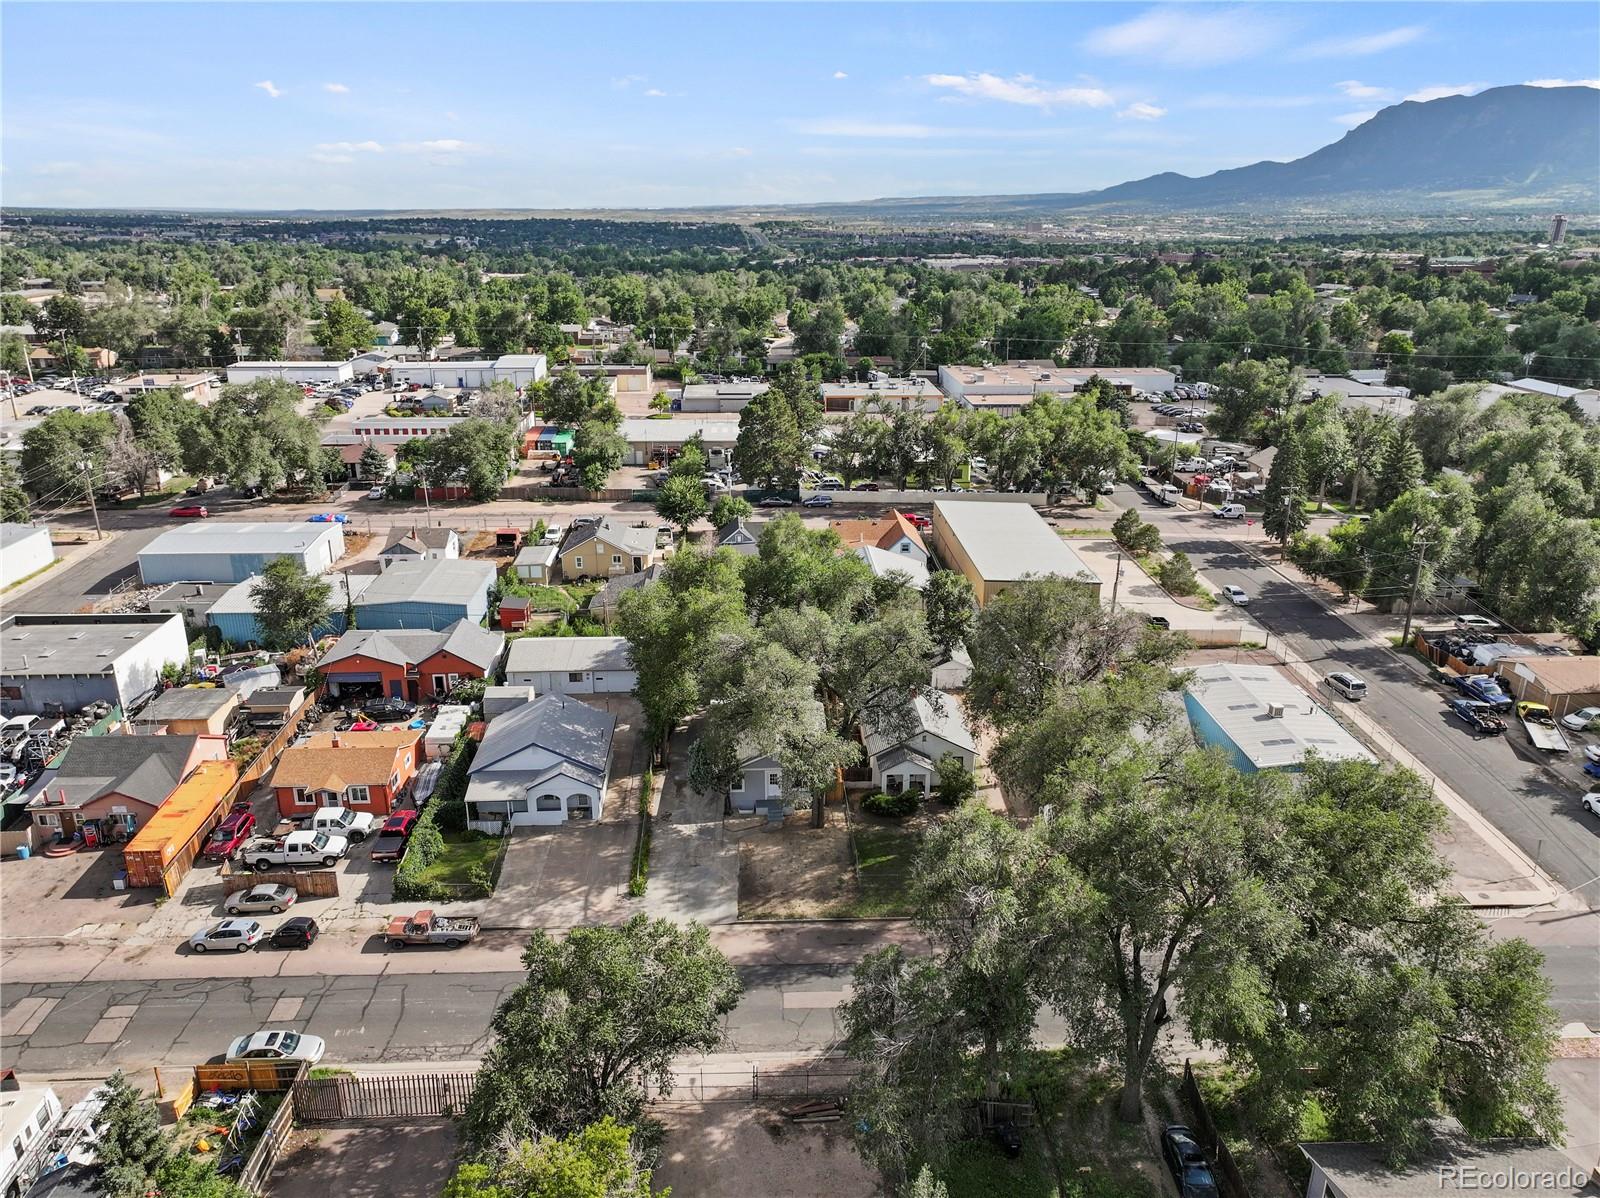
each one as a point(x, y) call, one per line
point(1480, 717)
point(227, 836)
point(297, 848)
point(817, 501)
point(271, 896)
point(552, 534)
point(1158, 622)
point(190, 511)
point(1187, 1163)
point(277, 1045)
point(1347, 685)
point(378, 492)
point(299, 932)
point(1230, 511)
point(231, 935)
point(1591, 802)
point(328, 518)
point(919, 522)
point(390, 843)
point(1479, 623)
point(1235, 595)
point(1484, 689)
point(389, 709)
point(866, 486)
point(1581, 719)
point(427, 928)
point(776, 501)
point(1592, 768)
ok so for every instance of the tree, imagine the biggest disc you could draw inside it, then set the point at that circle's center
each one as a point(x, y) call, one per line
point(344, 329)
point(13, 353)
point(167, 424)
point(129, 462)
point(1134, 534)
point(1366, 432)
point(1446, 425)
point(374, 463)
point(130, 1148)
point(1399, 467)
point(776, 431)
point(944, 445)
point(729, 508)
point(1177, 575)
point(597, 449)
point(55, 453)
point(291, 605)
point(603, 1013)
point(1242, 392)
point(682, 501)
point(1283, 511)
point(949, 604)
point(926, 1185)
point(568, 399)
point(596, 1161)
point(62, 318)
point(256, 435)
point(13, 499)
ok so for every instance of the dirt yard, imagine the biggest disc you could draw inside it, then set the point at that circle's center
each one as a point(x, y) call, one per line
point(775, 1158)
point(793, 871)
point(404, 1161)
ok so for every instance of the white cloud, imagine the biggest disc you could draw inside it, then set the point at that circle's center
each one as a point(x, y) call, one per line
point(446, 145)
point(1357, 90)
point(1351, 119)
point(1440, 91)
point(1020, 89)
point(854, 128)
point(1370, 43)
point(338, 89)
point(1140, 111)
point(739, 152)
point(1562, 83)
point(624, 82)
point(1188, 37)
point(349, 147)
point(840, 75)
point(655, 93)
point(269, 87)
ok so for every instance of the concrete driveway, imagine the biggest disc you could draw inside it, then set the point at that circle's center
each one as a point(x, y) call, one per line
point(694, 866)
point(562, 877)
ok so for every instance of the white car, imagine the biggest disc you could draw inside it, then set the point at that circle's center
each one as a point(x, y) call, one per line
point(231, 935)
point(276, 1045)
point(1592, 752)
point(1581, 719)
point(1481, 623)
point(1348, 685)
point(1230, 511)
point(712, 483)
point(1235, 596)
point(1591, 802)
point(552, 534)
point(376, 493)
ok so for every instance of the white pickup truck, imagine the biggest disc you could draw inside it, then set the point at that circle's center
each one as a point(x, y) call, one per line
point(297, 848)
point(354, 826)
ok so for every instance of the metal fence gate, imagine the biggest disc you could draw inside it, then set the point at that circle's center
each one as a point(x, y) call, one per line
point(401, 1096)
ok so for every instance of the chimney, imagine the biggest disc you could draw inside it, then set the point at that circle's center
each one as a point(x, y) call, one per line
point(61, 796)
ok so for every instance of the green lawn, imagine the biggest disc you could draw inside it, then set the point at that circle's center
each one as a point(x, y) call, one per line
point(463, 852)
point(543, 598)
point(885, 852)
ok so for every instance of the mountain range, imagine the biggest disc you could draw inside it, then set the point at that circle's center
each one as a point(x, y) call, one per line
point(1514, 147)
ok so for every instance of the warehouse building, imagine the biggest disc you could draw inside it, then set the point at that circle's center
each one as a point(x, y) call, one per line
point(721, 397)
point(882, 394)
point(301, 373)
point(1011, 386)
point(1562, 682)
point(1262, 720)
point(465, 374)
point(224, 552)
point(429, 594)
point(24, 549)
point(997, 545)
point(71, 661)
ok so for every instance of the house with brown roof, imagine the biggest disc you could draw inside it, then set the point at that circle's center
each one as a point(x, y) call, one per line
point(892, 533)
point(1563, 683)
point(365, 771)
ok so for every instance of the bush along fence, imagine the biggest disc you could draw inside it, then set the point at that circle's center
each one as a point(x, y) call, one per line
point(639, 874)
point(445, 813)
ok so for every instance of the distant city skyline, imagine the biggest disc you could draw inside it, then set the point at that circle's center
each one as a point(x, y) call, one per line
point(667, 105)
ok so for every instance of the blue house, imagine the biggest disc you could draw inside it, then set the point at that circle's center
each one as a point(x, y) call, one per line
point(427, 594)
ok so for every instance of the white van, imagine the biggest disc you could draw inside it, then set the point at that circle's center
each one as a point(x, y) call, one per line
point(1230, 511)
point(1167, 494)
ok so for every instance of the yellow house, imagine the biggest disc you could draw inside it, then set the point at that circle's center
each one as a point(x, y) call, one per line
point(607, 549)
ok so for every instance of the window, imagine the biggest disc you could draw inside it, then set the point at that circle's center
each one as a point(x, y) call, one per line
point(775, 779)
point(575, 676)
point(44, 1118)
point(357, 794)
point(547, 803)
point(577, 564)
point(48, 819)
point(302, 797)
point(616, 559)
point(738, 784)
point(519, 806)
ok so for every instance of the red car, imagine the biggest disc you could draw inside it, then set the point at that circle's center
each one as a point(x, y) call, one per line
point(227, 836)
point(190, 510)
point(920, 523)
point(390, 843)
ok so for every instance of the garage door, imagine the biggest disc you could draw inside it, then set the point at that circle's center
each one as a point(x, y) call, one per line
point(352, 679)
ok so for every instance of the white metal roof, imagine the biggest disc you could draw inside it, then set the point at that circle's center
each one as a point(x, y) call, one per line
point(226, 536)
point(677, 431)
point(1007, 541)
point(1271, 720)
point(568, 654)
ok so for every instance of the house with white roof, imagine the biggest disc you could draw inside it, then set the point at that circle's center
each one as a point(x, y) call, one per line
point(571, 665)
point(544, 762)
point(908, 758)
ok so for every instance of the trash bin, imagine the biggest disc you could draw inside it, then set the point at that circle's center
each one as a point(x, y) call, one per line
point(23, 852)
point(120, 881)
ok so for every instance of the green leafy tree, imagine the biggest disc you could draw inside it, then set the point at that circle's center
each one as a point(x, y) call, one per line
point(344, 329)
point(290, 604)
point(1400, 468)
point(776, 431)
point(597, 1161)
point(597, 449)
point(373, 464)
point(13, 499)
point(949, 605)
point(62, 318)
point(603, 1013)
point(729, 508)
point(1242, 392)
point(13, 353)
point(1135, 534)
point(1177, 575)
point(1283, 511)
point(66, 452)
point(682, 501)
point(255, 434)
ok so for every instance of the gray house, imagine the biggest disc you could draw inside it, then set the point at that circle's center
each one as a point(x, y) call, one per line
point(911, 762)
point(544, 762)
point(760, 784)
point(739, 536)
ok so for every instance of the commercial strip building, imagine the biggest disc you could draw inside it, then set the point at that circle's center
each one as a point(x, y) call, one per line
point(721, 397)
point(305, 373)
point(68, 662)
point(997, 545)
point(882, 394)
point(520, 370)
point(1262, 720)
point(659, 440)
point(1010, 387)
point(232, 552)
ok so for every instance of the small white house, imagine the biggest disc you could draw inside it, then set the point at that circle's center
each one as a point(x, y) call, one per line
point(420, 544)
point(571, 665)
point(544, 762)
point(911, 762)
point(536, 563)
point(24, 549)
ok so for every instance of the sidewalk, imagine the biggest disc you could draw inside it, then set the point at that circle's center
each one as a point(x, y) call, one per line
point(1491, 871)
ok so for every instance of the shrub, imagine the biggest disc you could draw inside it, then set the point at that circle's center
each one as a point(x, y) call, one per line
point(957, 783)
point(1134, 535)
point(892, 806)
point(639, 874)
point(1177, 576)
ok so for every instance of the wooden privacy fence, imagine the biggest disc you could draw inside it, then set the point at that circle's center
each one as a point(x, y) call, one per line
point(270, 1076)
point(309, 883)
point(397, 1096)
point(1228, 1175)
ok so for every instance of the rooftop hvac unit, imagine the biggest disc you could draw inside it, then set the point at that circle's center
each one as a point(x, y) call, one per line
point(1275, 711)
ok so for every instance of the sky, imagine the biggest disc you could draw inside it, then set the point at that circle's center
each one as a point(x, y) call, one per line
point(419, 105)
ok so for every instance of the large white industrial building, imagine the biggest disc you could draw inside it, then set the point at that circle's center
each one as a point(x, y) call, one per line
point(222, 551)
point(292, 372)
point(464, 374)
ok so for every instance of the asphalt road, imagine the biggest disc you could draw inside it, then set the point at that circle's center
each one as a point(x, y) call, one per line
point(1498, 776)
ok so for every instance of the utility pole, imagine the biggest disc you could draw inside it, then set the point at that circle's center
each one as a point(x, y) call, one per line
point(88, 487)
point(1117, 582)
point(1411, 599)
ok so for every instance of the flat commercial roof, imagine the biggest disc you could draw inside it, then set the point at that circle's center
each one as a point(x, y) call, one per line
point(1007, 541)
point(572, 654)
point(187, 703)
point(248, 537)
point(1241, 701)
point(676, 431)
point(47, 645)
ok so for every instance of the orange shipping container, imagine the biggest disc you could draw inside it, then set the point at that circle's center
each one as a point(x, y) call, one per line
point(164, 849)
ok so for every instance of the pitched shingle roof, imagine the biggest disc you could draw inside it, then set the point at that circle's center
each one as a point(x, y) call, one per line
point(335, 760)
point(144, 768)
point(406, 647)
point(574, 731)
point(626, 537)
